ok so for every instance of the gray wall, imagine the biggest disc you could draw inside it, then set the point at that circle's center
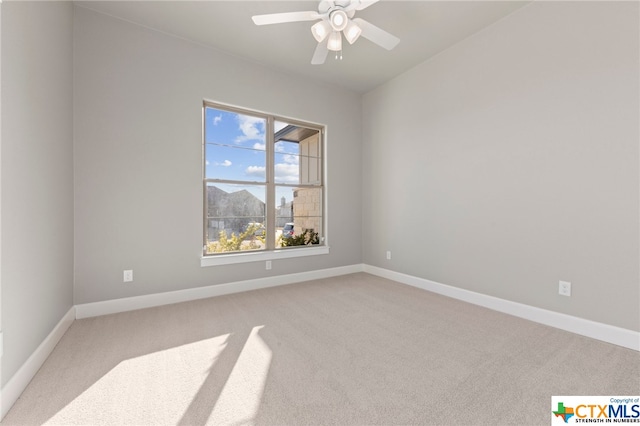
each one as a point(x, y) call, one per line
point(138, 190)
point(37, 175)
point(1, 382)
point(510, 161)
point(502, 165)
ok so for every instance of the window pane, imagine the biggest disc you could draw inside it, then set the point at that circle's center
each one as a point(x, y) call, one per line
point(284, 206)
point(235, 218)
point(297, 158)
point(298, 216)
point(235, 163)
point(287, 147)
point(234, 146)
point(287, 168)
point(310, 161)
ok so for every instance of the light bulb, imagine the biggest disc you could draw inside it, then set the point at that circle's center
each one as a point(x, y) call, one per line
point(335, 41)
point(320, 30)
point(352, 32)
point(339, 19)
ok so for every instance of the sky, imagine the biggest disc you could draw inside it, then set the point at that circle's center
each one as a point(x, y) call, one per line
point(235, 150)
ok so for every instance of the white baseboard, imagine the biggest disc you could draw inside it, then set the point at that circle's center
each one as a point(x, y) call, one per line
point(106, 307)
point(17, 384)
point(595, 330)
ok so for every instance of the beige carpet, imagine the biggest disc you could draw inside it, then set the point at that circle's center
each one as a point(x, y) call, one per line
point(356, 349)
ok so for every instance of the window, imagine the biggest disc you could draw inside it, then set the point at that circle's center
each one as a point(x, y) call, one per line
point(263, 183)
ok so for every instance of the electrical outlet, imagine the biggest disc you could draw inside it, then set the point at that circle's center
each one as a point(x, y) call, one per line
point(564, 288)
point(127, 276)
point(388, 255)
point(268, 265)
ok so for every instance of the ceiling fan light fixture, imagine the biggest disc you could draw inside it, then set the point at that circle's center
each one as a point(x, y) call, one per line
point(339, 20)
point(335, 18)
point(335, 41)
point(352, 32)
point(321, 30)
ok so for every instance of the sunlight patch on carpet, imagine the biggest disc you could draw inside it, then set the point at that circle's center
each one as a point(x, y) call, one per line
point(156, 386)
point(242, 393)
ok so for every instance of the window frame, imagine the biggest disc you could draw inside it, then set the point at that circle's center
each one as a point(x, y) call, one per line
point(271, 251)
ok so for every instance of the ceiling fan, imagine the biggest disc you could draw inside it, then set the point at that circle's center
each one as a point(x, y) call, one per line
point(336, 19)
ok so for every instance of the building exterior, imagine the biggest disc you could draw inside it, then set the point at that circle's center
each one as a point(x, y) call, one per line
point(307, 201)
point(231, 211)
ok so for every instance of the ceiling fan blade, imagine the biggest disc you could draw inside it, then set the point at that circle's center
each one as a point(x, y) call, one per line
point(361, 4)
point(280, 18)
point(320, 55)
point(377, 35)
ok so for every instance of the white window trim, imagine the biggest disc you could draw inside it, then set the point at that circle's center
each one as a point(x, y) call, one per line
point(279, 253)
point(260, 256)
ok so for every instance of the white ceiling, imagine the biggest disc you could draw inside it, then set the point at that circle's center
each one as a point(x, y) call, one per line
point(424, 28)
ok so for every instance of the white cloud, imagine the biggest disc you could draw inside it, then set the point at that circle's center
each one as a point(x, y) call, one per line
point(225, 163)
point(291, 159)
point(252, 128)
point(217, 119)
point(207, 162)
point(287, 173)
point(259, 146)
point(257, 171)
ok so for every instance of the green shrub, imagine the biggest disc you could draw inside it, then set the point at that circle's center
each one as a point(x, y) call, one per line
point(307, 237)
point(234, 243)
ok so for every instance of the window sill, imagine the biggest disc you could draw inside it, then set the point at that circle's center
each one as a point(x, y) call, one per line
point(230, 259)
